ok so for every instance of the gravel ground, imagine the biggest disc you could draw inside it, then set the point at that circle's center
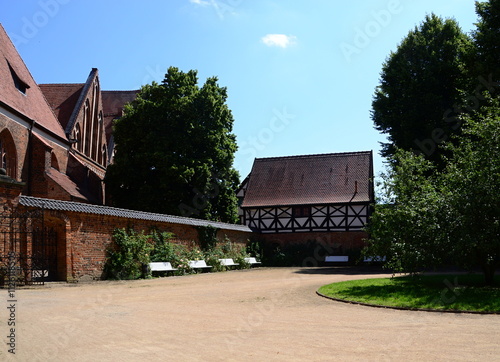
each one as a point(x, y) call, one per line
point(262, 314)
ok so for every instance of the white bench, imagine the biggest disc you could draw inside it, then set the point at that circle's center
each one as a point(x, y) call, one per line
point(199, 264)
point(252, 261)
point(161, 266)
point(228, 262)
point(337, 258)
point(374, 258)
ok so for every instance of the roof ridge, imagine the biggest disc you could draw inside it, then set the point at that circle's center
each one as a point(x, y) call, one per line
point(122, 90)
point(316, 155)
point(61, 84)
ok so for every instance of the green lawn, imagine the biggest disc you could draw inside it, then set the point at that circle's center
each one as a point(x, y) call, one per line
point(465, 292)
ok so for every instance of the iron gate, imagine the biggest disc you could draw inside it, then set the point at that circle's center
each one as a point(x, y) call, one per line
point(28, 253)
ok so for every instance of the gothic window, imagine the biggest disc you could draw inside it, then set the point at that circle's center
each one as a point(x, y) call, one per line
point(104, 155)
point(78, 138)
point(8, 157)
point(88, 128)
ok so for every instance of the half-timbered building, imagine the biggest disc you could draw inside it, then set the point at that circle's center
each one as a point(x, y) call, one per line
point(311, 197)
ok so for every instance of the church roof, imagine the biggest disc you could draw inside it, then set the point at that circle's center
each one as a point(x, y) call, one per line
point(62, 98)
point(112, 104)
point(20, 92)
point(310, 180)
point(68, 185)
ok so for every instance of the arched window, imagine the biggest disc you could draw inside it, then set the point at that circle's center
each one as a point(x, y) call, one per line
point(104, 156)
point(88, 127)
point(78, 138)
point(8, 154)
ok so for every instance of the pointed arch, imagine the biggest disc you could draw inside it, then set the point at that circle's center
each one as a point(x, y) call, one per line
point(8, 153)
point(87, 122)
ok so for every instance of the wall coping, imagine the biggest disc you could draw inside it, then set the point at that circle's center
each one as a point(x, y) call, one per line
point(71, 206)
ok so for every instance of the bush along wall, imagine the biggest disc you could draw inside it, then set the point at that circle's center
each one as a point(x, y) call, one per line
point(131, 252)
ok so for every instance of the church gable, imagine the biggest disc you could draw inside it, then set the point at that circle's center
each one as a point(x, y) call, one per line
point(79, 109)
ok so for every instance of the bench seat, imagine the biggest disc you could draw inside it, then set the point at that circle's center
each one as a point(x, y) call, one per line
point(337, 258)
point(199, 264)
point(228, 262)
point(252, 261)
point(161, 266)
point(374, 258)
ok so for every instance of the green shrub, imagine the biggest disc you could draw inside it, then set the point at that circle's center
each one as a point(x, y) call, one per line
point(163, 249)
point(128, 255)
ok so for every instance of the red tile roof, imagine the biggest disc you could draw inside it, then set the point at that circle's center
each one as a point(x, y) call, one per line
point(311, 179)
point(66, 184)
point(32, 104)
point(62, 98)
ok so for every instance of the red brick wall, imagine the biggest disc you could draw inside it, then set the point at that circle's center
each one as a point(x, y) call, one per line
point(87, 236)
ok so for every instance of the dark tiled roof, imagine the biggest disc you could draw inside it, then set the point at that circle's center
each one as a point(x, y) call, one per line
point(62, 98)
point(311, 179)
point(32, 104)
point(49, 204)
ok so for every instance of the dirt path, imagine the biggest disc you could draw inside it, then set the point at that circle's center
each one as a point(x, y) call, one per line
point(261, 314)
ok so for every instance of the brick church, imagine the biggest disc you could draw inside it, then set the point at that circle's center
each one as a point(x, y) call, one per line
point(56, 142)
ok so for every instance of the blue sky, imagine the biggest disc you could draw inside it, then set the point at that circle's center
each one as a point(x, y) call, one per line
point(300, 73)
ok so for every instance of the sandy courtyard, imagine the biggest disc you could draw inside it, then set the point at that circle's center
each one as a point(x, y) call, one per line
point(263, 314)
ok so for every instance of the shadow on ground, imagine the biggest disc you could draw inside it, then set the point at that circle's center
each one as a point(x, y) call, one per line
point(344, 270)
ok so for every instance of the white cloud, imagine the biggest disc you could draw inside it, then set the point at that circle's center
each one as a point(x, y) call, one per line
point(200, 2)
point(279, 40)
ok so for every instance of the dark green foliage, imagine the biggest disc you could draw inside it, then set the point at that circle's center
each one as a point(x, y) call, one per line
point(207, 235)
point(175, 150)
point(163, 249)
point(254, 248)
point(128, 256)
point(421, 83)
point(486, 40)
point(452, 216)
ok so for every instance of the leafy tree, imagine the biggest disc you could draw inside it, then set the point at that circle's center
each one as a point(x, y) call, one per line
point(407, 228)
point(472, 184)
point(175, 150)
point(487, 45)
point(420, 82)
point(452, 216)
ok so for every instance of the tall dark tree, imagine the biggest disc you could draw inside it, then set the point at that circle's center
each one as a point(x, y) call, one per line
point(487, 40)
point(452, 216)
point(421, 83)
point(175, 150)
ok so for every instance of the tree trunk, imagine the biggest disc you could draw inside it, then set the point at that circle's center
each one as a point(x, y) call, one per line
point(489, 273)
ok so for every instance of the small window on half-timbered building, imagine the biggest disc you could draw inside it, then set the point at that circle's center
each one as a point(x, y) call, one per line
point(301, 211)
